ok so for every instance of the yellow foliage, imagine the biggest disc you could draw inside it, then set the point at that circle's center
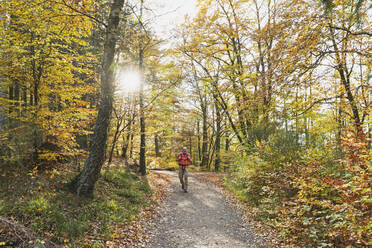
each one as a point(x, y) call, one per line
point(44, 63)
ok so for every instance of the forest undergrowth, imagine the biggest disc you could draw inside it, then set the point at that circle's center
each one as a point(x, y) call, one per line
point(276, 93)
point(310, 196)
point(39, 202)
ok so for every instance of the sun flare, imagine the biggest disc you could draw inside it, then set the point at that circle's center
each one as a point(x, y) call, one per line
point(129, 81)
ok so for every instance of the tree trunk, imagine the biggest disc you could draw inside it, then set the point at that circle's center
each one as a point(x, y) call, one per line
point(217, 159)
point(143, 137)
point(296, 120)
point(198, 134)
point(11, 98)
point(36, 95)
point(24, 96)
point(131, 145)
point(16, 97)
point(190, 147)
point(124, 150)
point(345, 81)
point(114, 140)
point(142, 162)
point(31, 99)
point(205, 157)
point(127, 138)
point(157, 148)
point(227, 138)
point(83, 184)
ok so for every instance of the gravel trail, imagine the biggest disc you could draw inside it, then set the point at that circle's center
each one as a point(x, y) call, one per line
point(199, 218)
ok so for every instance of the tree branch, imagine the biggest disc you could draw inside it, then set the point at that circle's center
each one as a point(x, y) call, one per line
point(82, 13)
point(351, 32)
point(317, 102)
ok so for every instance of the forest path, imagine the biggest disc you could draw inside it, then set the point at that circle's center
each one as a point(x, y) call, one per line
point(200, 218)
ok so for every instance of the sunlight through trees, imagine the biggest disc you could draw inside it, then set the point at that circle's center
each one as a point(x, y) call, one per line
point(275, 93)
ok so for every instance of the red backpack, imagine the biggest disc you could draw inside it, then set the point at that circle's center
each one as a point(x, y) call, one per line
point(183, 159)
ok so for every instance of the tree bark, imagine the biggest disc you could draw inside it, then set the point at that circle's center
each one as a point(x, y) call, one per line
point(205, 156)
point(83, 184)
point(143, 136)
point(345, 81)
point(11, 98)
point(190, 146)
point(16, 97)
point(129, 136)
point(24, 96)
point(131, 145)
point(157, 146)
point(126, 139)
point(198, 134)
point(217, 159)
point(227, 138)
point(142, 162)
point(124, 149)
point(114, 140)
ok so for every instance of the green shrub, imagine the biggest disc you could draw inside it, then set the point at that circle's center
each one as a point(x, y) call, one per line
point(254, 182)
point(38, 206)
point(260, 132)
point(281, 147)
point(312, 197)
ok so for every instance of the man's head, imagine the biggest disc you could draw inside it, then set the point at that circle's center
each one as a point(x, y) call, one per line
point(184, 149)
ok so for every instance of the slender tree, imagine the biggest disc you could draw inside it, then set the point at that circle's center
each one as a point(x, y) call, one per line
point(142, 161)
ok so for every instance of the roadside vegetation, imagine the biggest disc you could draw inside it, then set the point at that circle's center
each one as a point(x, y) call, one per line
point(40, 201)
point(277, 93)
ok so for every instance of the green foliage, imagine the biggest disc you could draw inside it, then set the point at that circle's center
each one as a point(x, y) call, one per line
point(260, 178)
point(313, 199)
point(130, 187)
point(67, 218)
point(260, 132)
point(281, 147)
point(250, 178)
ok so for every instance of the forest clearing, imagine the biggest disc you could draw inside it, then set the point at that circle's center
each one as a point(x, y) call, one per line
point(185, 123)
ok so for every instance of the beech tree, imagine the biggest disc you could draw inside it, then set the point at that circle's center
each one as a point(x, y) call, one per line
point(84, 183)
point(37, 62)
point(275, 92)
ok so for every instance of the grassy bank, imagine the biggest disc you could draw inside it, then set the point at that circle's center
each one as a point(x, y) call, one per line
point(39, 201)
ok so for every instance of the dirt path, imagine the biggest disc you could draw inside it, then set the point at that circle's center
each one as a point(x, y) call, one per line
point(199, 218)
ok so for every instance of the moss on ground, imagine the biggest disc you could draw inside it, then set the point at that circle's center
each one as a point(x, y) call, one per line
point(40, 202)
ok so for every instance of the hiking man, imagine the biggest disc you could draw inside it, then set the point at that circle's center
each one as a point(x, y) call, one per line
point(183, 159)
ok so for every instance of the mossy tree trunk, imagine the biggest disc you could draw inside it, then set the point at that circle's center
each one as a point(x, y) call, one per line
point(83, 184)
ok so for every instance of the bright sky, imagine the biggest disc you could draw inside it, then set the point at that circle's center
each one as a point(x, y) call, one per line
point(166, 16)
point(171, 13)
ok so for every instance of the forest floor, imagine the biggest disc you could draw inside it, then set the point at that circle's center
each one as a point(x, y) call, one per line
point(200, 218)
point(127, 211)
point(36, 210)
